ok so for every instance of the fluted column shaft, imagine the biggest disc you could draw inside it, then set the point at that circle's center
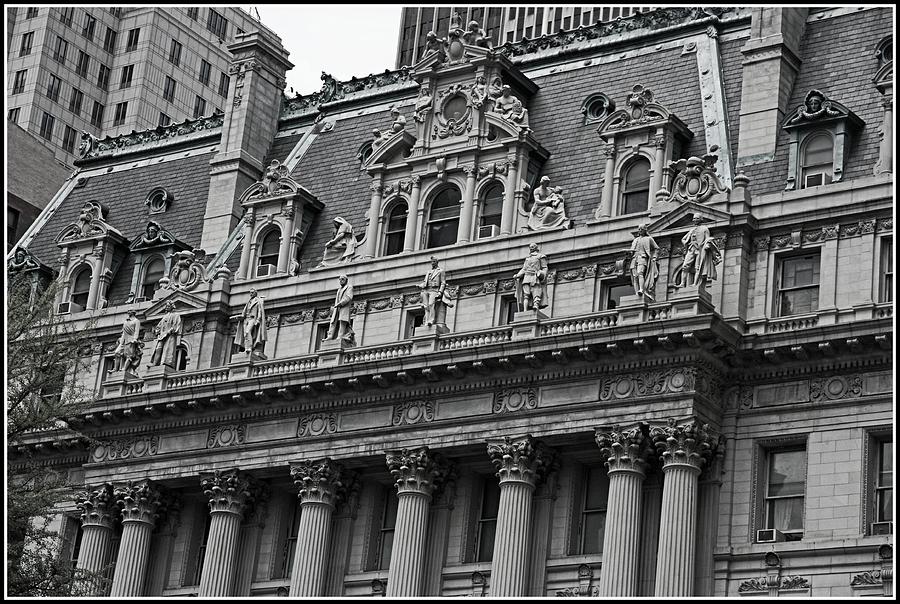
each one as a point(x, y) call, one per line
point(609, 152)
point(320, 488)
point(521, 465)
point(313, 539)
point(684, 449)
point(131, 566)
point(409, 236)
point(374, 214)
point(417, 474)
point(229, 496)
point(508, 215)
point(97, 510)
point(510, 560)
point(465, 219)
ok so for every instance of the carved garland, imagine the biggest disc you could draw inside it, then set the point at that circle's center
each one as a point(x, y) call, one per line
point(317, 424)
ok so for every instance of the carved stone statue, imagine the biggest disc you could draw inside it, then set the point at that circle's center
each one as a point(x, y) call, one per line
point(548, 210)
point(479, 92)
point(21, 261)
point(168, 335)
point(434, 295)
point(476, 36)
point(151, 236)
point(435, 44)
point(701, 255)
point(251, 329)
point(378, 138)
point(423, 103)
point(340, 314)
point(342, 245)
point(815, 106)
point(127, 355)
point(531, 280)
point(509, 105)
point(644, 266)
point(399, 123)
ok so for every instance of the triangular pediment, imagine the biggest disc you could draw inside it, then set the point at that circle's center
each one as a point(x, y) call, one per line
point(185, 303)
point(397, 144)
point(682, 217)
point(819, 109)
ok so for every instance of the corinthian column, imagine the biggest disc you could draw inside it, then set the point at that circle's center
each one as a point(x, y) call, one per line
point(683, 449)
point(521, 465)
point(626, 454)
point(229, 493)
point(321, 485)
point(374, 212)
point(139, 504)
point(98, 509)
point(708, 518)
point(465, 218)
point(417, 473)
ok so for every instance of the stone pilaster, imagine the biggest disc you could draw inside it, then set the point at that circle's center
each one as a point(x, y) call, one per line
point(251, 529)
point(708, 518)
point(230, 493)
point(139, 503)
point(683, 449)
point(521, 465)
point(625, 453)
point(161, 544)
point(465, 216)
point(98, 510)
point(417, 474)
point(321, 485)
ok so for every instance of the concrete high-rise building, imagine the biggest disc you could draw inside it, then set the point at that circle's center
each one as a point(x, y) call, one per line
point(502, 23)
point(107, 71)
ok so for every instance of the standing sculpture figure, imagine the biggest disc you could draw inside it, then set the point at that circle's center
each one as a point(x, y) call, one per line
point(128, 350)
point(340, 312)
point(342, 245)
point(700, 255)
point(434, 295)
point(251, 330)
point(168, 334)
point(531, 281)
point(644, 267)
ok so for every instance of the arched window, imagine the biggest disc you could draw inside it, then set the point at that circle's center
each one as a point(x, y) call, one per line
point(491, 211)
point(636, 187)
point(817, 160)
point(181, 357)
point(443, 218)
point(152, 274)
point(81, 287)
point(268, 253)
point(395, 228)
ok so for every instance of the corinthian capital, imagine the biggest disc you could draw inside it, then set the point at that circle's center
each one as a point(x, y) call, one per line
point(624, 450)
point(98, 507)
point(419, 471)
point(690, 443)
point(523, 460)
point(228, 491)
point(319, 481)
point(139, 501)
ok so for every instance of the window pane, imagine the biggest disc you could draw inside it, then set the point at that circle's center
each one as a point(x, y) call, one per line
point(798, 272)
point(486, 532)
point(800, 301)
point(397, 219)
point(390, 510)
point(885, 505)
point(597, 489)
point(387, 546)
point(491, 498)
point(638, 176)
point(594, 525)
point(787, 473)
point(786, 514)
point(818, 151)
point(886, 465)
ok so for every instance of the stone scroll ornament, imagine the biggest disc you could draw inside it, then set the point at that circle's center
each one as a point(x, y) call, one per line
point(91, 223)
point(696, 179)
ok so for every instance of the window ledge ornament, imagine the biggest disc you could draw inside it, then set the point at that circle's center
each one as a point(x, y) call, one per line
point(154, 236)
point(91, 224)
point(22, 261)
point(819, 113)
point(642, 110)
point(188, 271)
point(159, 200)
point(696, 179)
point(276, 181)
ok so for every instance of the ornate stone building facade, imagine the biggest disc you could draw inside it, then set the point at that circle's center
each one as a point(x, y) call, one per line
point(683, 387)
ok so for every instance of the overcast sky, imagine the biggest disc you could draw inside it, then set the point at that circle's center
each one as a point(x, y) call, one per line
point(344, 40)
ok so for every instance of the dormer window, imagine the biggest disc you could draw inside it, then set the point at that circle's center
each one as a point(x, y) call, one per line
point(816, 164)
point(268, 253)
point(443, 218)
point(636, 187)
point(395, 228)
point(491, 211)
point(81, 288)
point(153, 272)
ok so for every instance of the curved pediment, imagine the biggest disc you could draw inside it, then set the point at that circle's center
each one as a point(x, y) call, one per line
point(506, 127)
point(818, 109)
point(154, 236)
point(91, 224)
point(397, 144)
point(276, 182)
point(884, 77)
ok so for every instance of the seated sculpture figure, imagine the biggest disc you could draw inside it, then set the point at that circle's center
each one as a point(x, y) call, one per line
point(342, 245)
point(548, 210)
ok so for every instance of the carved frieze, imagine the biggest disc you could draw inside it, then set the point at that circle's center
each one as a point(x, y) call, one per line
point(835, 388)
point(794, 582)
point(91, 147)
point(648, 383)
point(510, 400)
point(755, 584)
point(334, 90)
point(412, 412)
point(317, 424)
point(128, 448)
point(226, 436)
point(872, 577)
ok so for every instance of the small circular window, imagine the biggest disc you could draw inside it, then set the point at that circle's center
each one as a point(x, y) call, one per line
point(885, 51)
point(158, 200)
point(455, 108)
point(596, 107)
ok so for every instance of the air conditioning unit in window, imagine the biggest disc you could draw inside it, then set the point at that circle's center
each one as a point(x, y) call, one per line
point(488, 230)
point(770, 536)
point(265, 270)
point(68, 307)
point(140, 299)
point(883, 528)
point(816, 179)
